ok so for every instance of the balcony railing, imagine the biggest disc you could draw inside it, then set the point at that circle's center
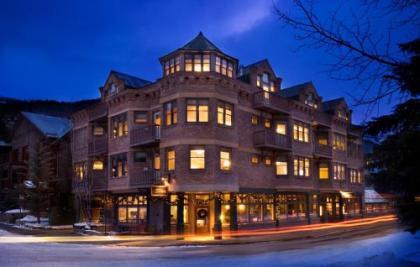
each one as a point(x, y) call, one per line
point(269, 139)
point(270, 102)
point(98, 111)
point(145, 135)
point(322, 118)
point(323, 150)
point(145, 178)
point(98, 146)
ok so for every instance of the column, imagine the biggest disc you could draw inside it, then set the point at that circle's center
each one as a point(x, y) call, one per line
point(167, 215)
point(217, 213)
point(180, 214)
point(276, 219)
point(307, 210)
point(233, 213)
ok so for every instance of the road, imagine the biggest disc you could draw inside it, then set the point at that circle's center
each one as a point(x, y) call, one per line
point(380, 244)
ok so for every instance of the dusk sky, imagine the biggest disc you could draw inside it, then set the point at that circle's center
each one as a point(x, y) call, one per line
point(64, 50)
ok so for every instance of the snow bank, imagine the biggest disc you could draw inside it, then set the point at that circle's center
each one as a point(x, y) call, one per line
point(32, 219)
point(16, 211)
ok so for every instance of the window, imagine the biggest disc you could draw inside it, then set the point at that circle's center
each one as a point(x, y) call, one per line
point(156, 161)
point(224, 67)
point(355, 176)
point(254, 119)
point(197, 63)
point(188, 63)
point(263, 81)
point(230, 69)
point(339, 171)
point(339, 142)
point(323, 171)
point(80, 170)
point(281, 128)
point(170, 158)
point(98, 165)
point(301, 166)
point(113, 89)
point(140, 117)
point(171, 113)
point(132, 209)
point(301, 132)
point(267, 161)
point(272, 87)
point(140, 156)
point(281, 166)
point(225, 159)
point(98, 130)
point(224, 114)
point(255, 159)
point(206, 63)
point(119, 125)
point(172, 65)
point(322, 138)
point(119, 166)
point(218, 64)
point(255, 208)
point(197, 110)
point(342, 114)
point(197, 158)
point(310, 100)
point(267, 123)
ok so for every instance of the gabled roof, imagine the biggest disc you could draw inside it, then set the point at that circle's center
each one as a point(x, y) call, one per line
point(129, 80)
point(49, 126)
point(332, 104)
point(245, 69)
point(200, 43)
point(294, 91)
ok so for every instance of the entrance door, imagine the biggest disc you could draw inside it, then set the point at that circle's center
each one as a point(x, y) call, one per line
point(202, 214)
point(331, 207)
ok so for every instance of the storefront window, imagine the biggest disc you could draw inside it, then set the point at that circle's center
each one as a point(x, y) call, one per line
point(174, 207)
point(132, 209)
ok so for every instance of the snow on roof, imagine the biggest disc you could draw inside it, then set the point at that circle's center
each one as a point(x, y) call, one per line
point(371, 196)
point(3, 143)
point(50, 126)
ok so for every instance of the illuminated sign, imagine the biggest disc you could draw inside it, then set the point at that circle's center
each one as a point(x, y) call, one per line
point(159, 191)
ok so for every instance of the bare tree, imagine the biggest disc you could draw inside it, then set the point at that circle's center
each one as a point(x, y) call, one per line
point(361, 52)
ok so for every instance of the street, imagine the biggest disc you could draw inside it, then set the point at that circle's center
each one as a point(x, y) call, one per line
point(380, 244)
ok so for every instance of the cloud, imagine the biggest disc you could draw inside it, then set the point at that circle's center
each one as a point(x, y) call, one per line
point(246, 17)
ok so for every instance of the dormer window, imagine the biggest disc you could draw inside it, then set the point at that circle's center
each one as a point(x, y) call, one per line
point(172, 65)
point(113, 89)
point(224, 66)
point(342, 114)
point(197, 63)
point(311, 101)
point(263, 81)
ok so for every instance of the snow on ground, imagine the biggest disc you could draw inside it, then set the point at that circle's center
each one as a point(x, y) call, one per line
point(16, 211)
point(397, 249)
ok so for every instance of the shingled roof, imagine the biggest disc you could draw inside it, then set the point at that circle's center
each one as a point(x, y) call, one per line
point(332, 104)
point(130, 81)
point(293, 91)
point(200, 43)
point(49, 126)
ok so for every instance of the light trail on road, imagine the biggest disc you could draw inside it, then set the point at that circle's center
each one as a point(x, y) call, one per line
point(190, 237)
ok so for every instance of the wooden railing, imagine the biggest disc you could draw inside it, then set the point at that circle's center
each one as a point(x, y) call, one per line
point(268, 138)
point(145, 135)
point(99, 145)
point(145, 178)
point(323, 150)
point(271, 102)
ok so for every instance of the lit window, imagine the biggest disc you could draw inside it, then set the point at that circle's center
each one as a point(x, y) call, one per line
point(172, 65)
point(139, 156)
point(119, 167)
point(98, 165)
point(259, 81)
point(119, 125)
point(339, 142)
point(218, 64)
point(301, 166)
point(263, 81)
point(206, 62)
point(230, 70)
point(301, 132)
point(171, 113)
point(140, 117)
point(224, 67)
point(255, 159)
point(323, 171)
point(225, 160)
point(281, 128)
point(281, 167)
point(197, 63)
point(254, 119)
point(311, 101)
point(197, 110)
point(188, 63)
point(224, 114)
point(197, 158)
point(177, 64)
point(342, 114)
point(113, 89)
point(98, 130)
point(339, 171)
point(80, 170)
point(267, 161)
point(167, 68)
point(323, 138)
point(156, 162)
point(170, 156)
point(267, 123)
point(272, 87)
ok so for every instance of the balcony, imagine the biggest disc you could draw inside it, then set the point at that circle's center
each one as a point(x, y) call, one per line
point(145, 135)
point(98, 111)
point(270, 102)
point(98, 146)
point(322, 118)
point(145, 177)
point(269, 139)
point(324, 151)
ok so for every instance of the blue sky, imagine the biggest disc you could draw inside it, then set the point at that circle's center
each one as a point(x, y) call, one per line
point(64, 50)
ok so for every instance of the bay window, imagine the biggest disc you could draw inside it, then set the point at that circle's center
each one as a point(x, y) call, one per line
point(281, 166)
point(197, 110)
point(224, 114)
point(339, 171)
point(171, 113)
point(339, 142)
point(301, 166)
point(197, 158)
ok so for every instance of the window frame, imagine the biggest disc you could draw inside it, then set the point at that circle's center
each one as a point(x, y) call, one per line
point(224, 107)
point(229, 158)
point(301, 164)
point(197, 148)
point(119, 125)
point(169, 159)
point(301, 132)
point(196, 109)
point(115, 165)
point(171, 113)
